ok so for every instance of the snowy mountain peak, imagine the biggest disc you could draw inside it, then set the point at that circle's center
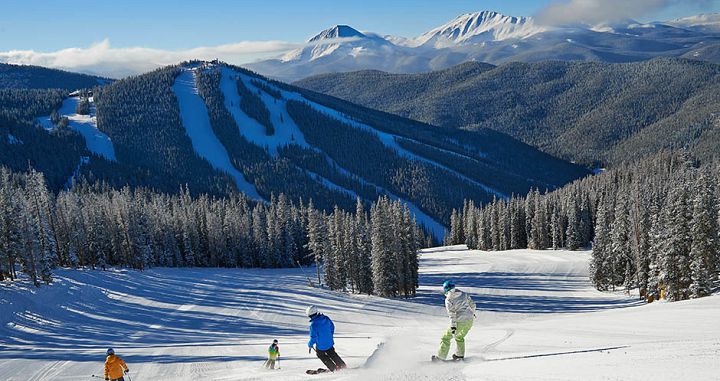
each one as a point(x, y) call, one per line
point(709, 22)
point(481, 27)
point(337, 31)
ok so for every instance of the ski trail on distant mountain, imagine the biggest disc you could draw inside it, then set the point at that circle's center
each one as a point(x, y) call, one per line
point(195, 119)
point(388, 139)
point(286, 131)
point(96, 141)
point(285, 126)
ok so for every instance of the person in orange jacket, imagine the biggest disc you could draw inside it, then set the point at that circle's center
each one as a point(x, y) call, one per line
point(114, 367)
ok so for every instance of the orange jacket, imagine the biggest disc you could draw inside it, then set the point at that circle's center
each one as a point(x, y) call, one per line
point(114, 366)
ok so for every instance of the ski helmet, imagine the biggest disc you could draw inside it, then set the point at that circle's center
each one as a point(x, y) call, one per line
point(275, 341)
point(310, 311)
point(110, 351)
point(448, 285)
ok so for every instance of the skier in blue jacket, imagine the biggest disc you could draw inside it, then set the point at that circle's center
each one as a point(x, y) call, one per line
point(322, 330)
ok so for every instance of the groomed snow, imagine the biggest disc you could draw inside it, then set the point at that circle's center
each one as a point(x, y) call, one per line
point(196, 121)
point(95, 140)
point(539, 319)
point(286, 131)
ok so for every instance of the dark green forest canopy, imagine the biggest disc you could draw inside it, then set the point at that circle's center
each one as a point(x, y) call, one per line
point(591, 113)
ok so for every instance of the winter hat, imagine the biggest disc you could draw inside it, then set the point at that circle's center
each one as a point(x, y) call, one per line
point(310, 311)
point(110, 351)
point(448, 285)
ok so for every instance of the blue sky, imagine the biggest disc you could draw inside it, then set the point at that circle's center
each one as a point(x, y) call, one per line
point(45, 26)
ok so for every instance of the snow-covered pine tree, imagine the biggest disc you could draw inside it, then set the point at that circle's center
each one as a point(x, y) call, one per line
point(383, 266)
point(600, 272)
point(363, 246)
point(317, 237)
point(703, 233)
point(675, 261)
point(620, 253)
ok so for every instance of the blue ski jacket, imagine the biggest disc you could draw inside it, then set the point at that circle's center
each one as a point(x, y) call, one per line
point(322, 330)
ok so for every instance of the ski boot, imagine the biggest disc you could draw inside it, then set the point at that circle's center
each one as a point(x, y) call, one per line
point(458, 358)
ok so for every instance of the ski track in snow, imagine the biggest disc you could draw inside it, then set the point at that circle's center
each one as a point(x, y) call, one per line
point(196, 121)
point(95, 140)
point(537, 311)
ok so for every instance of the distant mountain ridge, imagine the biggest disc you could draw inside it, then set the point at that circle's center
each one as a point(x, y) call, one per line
point(591, 113)
point(36, 77)
point(496, 38)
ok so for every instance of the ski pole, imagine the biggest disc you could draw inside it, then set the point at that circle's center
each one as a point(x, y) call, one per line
point(128, 374)
point(94, 376)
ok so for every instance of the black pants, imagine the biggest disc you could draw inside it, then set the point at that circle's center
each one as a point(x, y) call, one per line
point(331, 359)
point(118, 379)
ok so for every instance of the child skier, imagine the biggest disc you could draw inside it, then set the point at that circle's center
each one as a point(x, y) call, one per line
point(273, 355)
point(114, 367)
point(322, 330)
point(461, 310)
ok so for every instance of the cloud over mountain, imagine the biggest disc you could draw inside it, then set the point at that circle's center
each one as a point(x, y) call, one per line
point(563, 12)
point(103, 59)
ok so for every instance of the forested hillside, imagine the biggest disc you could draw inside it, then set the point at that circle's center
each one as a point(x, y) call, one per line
point(653, 225)
point(97, 226)
point(591, 113)
point(220, 129)
point(36, 77)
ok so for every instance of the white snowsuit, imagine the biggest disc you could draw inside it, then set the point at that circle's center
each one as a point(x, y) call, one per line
point(460, 306)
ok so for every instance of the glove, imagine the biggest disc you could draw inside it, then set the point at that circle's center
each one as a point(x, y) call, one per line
point(107, 379)
point(127, 371)
point(309, 349)
point(453, 329)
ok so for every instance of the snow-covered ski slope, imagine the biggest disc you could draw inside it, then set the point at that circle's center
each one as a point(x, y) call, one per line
point(206, 144)
point(539, 319)
point(196, 121)
point(86, 125)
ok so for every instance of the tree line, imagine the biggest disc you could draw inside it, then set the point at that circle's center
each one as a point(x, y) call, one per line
point(95, 226)
point(652, 225)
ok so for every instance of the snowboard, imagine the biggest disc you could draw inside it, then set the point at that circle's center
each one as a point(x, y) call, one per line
point(436, 359)
point(317, 371)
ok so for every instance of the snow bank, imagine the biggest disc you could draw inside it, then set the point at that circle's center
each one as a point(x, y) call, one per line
point(196, 121)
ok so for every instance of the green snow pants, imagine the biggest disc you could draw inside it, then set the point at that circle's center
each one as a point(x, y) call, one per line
point(463, 327)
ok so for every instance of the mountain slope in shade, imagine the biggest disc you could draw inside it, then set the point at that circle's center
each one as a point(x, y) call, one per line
point(278, 138)
point(36, 77)
point(585, 112)
point(494, 38)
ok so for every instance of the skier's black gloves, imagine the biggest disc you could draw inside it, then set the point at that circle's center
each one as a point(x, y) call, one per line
point(127, 371)
point(310, 350)
point(453, 329)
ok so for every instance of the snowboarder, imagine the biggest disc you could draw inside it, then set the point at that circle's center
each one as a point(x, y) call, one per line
point(461, 310)
point(322, 330)
point(114, 367)
point(273, 355)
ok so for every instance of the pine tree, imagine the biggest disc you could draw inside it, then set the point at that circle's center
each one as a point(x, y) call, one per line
point(675, 262)
point(600, 272)
point(704, 233)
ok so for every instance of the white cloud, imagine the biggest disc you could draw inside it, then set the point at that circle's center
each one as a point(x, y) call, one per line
point(102, 59)
point(593, 12)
